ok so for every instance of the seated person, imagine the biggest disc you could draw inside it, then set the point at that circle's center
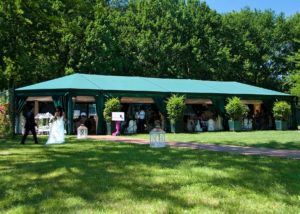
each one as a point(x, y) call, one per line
point(198, 127)
point(211, 125)
point(90, 123)
point(190, 125)
point(81, 120)
point(132, 127)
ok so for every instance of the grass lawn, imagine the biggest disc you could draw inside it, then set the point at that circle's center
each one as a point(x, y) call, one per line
point(107, 177)
point(266, 139)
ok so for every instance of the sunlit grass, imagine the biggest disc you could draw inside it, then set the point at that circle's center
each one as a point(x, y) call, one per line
point(106, 177)
point(266, 139)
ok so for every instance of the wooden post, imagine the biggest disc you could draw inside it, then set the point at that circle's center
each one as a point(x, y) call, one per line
point(100, 107)
point(36, 107)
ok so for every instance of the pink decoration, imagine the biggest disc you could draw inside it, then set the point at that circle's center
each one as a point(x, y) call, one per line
point(118, 128)
point(2, 109)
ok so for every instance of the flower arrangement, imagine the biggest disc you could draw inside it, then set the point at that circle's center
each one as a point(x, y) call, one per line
point(2, 109)
point(5, 124)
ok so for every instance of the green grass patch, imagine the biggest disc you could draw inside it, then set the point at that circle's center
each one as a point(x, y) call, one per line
point(261, 139)
point(107, 177)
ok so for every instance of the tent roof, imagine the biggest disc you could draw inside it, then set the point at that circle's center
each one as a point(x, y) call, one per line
point(144, 84)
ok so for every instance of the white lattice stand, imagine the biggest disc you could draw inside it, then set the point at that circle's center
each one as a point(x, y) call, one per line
point(157, 138)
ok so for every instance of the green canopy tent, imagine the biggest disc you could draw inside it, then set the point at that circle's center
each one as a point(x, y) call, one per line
point(101, 86)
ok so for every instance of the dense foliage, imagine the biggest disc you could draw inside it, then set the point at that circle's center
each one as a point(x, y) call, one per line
point(294, 78)
point(235, 109)
point(44, 39)
point(281, 110)
point(175, 107)
point(111, 105)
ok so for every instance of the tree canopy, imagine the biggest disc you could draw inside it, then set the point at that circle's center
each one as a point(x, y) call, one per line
point(45, 39)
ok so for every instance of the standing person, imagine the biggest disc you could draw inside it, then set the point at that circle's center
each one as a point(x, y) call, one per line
point(141, 119)
point(57, 130)
point(83, 118)
point(29, 125)
point(136, 114)
point(93, 125)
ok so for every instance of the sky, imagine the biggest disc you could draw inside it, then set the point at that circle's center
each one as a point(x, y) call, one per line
point(288, 7)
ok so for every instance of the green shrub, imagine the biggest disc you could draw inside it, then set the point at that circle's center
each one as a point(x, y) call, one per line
point(111, 105)
point(175, 107)
point(235, 109)
point(281, 110)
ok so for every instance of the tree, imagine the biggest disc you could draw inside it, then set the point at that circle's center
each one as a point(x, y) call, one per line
point(100, 52)
point(45, 39)
point(40, 39)
point(257, 43)
point(294, 78)
point(170, 39)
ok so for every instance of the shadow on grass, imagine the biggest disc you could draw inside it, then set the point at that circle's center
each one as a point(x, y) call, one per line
point(269, 144)
point(92, 171)
point(259, 139)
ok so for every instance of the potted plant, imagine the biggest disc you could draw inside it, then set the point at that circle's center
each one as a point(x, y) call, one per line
point(111, 105)
point(175, 109)
point(235, 110)
point(281, 111)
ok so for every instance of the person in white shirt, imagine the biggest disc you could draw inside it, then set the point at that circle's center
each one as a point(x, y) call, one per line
point(141, 120)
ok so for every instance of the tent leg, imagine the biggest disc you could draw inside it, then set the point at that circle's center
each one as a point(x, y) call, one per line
point(70, 115)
